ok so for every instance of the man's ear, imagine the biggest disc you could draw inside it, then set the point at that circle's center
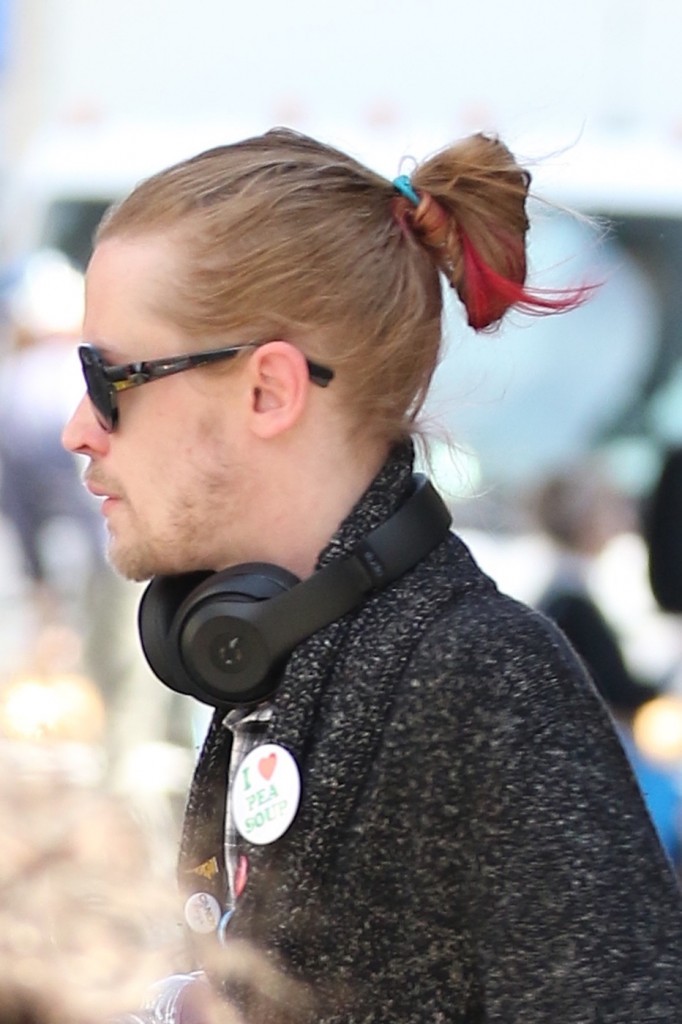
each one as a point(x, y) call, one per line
point(279, 382)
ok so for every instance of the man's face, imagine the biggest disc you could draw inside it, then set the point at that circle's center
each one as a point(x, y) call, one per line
point(174, 473)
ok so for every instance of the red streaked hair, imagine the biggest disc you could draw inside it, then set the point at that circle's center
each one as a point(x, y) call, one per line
point(487, 294)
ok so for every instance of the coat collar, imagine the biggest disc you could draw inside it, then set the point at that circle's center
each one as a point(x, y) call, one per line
point(331, 706)
point(327, 721)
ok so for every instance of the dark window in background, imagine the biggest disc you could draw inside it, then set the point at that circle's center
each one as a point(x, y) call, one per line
point(70, 225)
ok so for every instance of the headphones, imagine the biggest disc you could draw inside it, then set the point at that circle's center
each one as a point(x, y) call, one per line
point(224, 637)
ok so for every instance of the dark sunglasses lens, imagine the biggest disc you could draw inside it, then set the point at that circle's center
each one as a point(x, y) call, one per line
point(99, 391)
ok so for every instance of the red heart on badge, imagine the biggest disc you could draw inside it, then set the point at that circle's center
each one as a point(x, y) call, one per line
point(266, 765)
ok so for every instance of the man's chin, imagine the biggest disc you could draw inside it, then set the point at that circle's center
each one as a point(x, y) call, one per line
point(130, 565)
point(139, 564)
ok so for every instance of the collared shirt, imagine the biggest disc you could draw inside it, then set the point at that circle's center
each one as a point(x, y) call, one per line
point(248, 726)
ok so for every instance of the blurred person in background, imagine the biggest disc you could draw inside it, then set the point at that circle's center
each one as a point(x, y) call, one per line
point(411, 803)
point(77, 615)
point(55, 522)
point(581, 510)
point(663, 536)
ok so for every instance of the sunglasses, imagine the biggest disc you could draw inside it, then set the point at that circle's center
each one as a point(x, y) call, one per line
point(104, 382)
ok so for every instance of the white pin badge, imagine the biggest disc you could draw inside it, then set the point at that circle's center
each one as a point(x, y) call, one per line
point(265, 794)
point(202, 912)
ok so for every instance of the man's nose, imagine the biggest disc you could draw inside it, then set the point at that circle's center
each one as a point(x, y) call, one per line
point(83, 433)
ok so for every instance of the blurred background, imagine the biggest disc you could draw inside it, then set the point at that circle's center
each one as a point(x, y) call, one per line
point(95, 96)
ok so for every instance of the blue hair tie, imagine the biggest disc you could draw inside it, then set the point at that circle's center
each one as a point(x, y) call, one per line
point(403, 185)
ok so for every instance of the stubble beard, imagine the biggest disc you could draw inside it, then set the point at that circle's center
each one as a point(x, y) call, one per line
point(138, 551)
point(134, 562)
point(184, 539)
point(136, 556)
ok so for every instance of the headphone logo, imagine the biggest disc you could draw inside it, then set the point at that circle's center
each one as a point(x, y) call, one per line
point(227, 654)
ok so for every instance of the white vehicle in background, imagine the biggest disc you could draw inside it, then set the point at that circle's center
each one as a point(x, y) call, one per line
point(55, 196)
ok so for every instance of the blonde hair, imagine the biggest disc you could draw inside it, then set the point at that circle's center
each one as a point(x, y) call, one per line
point(294, 239)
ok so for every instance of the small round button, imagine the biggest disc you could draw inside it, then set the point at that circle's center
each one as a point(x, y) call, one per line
point(202, 912)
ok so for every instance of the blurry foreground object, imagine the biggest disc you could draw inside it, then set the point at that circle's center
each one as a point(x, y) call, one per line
point(54, 722)
point(87, 918)
point(52, 718)
point(46, 703)
point(66, 707)
point(90, 917)
point(21, 1004)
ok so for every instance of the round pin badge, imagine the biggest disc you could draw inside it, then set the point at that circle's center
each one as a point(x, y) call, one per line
point(265, 794)
point(203, 912)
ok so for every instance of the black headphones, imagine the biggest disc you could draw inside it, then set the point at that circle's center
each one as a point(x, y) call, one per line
point(224, 637)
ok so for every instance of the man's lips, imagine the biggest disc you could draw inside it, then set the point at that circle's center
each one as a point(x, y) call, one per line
point(100, 491)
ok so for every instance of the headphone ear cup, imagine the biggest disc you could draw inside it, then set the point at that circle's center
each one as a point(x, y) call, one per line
point(156, 622)
point(199, 638)
point(220, 638)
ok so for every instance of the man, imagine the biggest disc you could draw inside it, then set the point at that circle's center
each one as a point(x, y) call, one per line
point(430, 817)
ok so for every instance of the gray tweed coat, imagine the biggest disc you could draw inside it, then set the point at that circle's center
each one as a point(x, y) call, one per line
point(471, 845)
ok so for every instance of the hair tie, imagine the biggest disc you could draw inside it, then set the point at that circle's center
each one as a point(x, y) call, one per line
point(403, 185)
point(429, 221)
